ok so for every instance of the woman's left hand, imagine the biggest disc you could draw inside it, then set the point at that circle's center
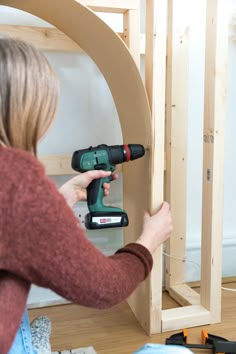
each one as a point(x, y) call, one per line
point(75, 189)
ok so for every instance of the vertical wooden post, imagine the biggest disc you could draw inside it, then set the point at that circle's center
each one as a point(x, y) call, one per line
point(213, 155)
point(131, 28)
point(156, 38)
point(176, 132)
point(137, 180)
point(147, 300)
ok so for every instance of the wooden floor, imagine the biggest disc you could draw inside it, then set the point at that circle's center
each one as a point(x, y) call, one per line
point(116, 331)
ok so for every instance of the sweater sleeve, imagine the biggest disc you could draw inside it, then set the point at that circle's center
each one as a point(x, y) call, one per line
point(47, 247)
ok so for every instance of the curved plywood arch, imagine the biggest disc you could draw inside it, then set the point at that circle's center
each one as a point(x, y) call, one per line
point(108, 52)
point(115, 62)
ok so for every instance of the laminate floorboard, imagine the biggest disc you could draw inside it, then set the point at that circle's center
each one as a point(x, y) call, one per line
point(116, 331)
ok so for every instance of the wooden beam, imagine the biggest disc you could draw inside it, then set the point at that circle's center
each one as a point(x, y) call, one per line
point(177, 136)
point(61, 165)
point(51, 39)
point(156, 51)
point(155, 80)
point(213, 155)
point(146, 302)
point(57, 164)
point(131, 29)
point(43, 38)
point(184, 295)
point(184, 317)
point(112, 6)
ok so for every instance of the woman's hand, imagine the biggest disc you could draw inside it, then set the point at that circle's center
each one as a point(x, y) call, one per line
point(75, 189)
point(156, 229)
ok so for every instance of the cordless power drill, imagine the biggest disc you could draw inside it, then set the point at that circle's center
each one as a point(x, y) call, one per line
point(103, 157)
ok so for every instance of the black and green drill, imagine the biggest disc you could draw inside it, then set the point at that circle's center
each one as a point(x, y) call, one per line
point(103, 157)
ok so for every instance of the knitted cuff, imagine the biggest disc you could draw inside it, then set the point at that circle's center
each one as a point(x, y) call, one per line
point(142, 253)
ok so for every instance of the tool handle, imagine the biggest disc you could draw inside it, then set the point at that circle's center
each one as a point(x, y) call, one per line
point(204, 336)
point(95, 194)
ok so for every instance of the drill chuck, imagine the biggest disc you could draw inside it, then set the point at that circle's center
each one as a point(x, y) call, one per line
point(136, 151)
point(125, 153)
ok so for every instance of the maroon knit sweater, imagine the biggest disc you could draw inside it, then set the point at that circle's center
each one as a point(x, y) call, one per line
point(42, 243)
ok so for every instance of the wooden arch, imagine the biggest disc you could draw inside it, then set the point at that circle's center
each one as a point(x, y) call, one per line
point(118, 67)
point(108, 52)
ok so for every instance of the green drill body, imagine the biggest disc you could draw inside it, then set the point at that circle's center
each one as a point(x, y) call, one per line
point(104, 158)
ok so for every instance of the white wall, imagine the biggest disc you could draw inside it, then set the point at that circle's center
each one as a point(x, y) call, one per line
point(86, 107)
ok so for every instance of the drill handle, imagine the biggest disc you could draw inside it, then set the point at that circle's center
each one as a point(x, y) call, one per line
point(95, 193)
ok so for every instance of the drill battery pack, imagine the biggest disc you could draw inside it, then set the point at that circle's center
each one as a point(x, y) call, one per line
point(102, 220)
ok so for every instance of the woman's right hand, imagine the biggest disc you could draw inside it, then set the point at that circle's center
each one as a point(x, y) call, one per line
point(156, 228)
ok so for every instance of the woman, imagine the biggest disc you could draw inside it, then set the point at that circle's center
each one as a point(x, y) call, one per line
point(40, 240)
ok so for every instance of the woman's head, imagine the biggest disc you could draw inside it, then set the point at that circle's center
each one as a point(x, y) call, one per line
point(29, 92)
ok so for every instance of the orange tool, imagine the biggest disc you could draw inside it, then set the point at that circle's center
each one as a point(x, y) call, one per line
point(217, 344)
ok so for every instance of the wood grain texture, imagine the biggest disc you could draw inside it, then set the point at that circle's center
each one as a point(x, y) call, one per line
point(114, 6)
point(155, 81)
point(215, 109)
point(57, 164)
point(44, 38)
point(131, 36)
point(51, 39)
point(177, 135)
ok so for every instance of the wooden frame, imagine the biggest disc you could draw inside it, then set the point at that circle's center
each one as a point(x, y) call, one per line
point(177, 138)
point(166, 87)
point(204, 308)
point(213, 164)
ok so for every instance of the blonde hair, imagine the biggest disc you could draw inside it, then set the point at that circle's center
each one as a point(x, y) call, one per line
point(29, 92)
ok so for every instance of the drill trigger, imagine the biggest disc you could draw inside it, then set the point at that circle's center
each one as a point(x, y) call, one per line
point(110, 178)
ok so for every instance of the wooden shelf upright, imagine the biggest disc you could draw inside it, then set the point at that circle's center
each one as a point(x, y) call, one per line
point(204, 308)
point(156, 117)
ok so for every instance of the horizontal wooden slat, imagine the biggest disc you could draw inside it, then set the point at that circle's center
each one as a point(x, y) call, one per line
point(42, 37)
point(113, 6)
point(184, 295)
point(51, 39)
point(61, 165)
point(185, 317)
point(57, 164)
